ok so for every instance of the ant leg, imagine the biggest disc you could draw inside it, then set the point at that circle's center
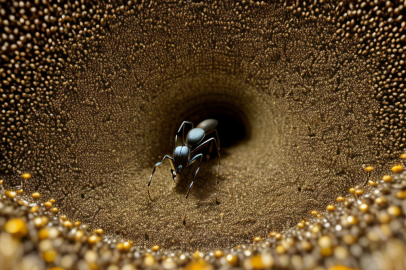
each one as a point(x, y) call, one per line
point(217, 137)
point(182, 127)
point(191, 185)
point(205, 144)
point(197, 170)
point(218, 169)
point(218, 153)
point(171, 160)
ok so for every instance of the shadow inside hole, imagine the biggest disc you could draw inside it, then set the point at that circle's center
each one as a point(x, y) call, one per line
point(232, 127)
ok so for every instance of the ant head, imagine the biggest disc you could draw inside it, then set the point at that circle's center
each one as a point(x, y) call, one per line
point(181, 156)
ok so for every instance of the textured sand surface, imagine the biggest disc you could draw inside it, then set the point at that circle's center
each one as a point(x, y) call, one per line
point(305, 101)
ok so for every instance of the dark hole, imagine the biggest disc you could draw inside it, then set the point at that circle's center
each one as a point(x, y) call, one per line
point(232, 127)
point(299, 189)
point(82, 195)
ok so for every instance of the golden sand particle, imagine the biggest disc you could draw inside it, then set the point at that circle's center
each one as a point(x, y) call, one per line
point(43, 234)
point(79, 236)
point(314, 212)
point(381, 201)
point(45, 220)
point(372, 183)
point(232, 259)
point(347, 203)
point(401, 194)
point(256, 262)
point(20, 191)
point(198, 254)
point(26, 176)
point(67, 224)
point(124, 246)
point(52, 200)
point(16, 227)
point(288, 242)
point(359, 192)
point(93, 239)
point(149, 260)
point(352, 220)
point(306, 245)
point(349, 239)
point(272, 234)
point(48, 204)
point(387, 178)
point(278, 236)
point(352, 190)
point(394, 210)
point(218, 253)
point(195, 265)
point(40, 222)
point(300, 225)
point(22, 203)
point(331, 208)
point(316, 228)
point(340, 199)
point(325, 242)
point(77, 223)
point(257, 239)
point(384, 218)
point(168, 263)
point(369, 168)
point(326, 252)
point(363, 207)
point(386, 230)
point(1, 182)
point(397, 169)
point(280, 249)
point(403, 156)
point(156, 248)
point(341, 253)
point(36, 195)
point(54, 210)
point(99, 231)
point(49, 256)
point(340, 267)
point(34, 209)
point(63, 217)
point(267, 260)
point(10, 194)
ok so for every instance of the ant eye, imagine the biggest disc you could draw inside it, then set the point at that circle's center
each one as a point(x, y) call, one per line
point(180, 167)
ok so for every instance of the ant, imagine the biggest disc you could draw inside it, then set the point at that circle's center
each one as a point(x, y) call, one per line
point(190, 151)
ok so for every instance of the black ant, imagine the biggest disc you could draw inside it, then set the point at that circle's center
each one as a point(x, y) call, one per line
point(190, 150)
